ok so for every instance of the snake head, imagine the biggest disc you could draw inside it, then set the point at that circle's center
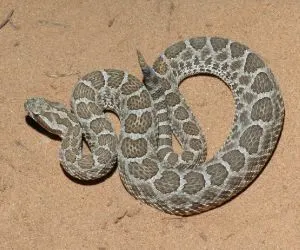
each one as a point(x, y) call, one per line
point(52, 116)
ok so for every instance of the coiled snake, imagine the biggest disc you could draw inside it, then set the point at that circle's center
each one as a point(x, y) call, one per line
point(181, 184)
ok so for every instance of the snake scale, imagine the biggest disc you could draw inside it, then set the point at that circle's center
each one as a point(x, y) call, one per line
point(150, 112)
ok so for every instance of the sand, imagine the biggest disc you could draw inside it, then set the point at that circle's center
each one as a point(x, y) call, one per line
point(48, 45)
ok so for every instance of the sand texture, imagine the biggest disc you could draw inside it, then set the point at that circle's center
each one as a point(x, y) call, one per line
point(47, 45)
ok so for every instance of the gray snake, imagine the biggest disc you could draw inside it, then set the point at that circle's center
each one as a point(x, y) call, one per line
point(180, 184)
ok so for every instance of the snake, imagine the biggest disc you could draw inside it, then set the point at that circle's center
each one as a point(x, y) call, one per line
point(153, 110)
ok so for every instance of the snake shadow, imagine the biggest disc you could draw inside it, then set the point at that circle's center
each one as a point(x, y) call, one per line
point(33, 124)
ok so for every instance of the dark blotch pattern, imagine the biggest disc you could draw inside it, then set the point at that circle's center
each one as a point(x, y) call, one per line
point(253, 62)
point(165, 84)
point(164, 129)
point(218, 43)
point(174, 50)
point(244, 80)
point(104, 156)
point(138, 124)
point(195, 144)
point(172, 158)
point(172, 99)
point(237, 49)
point(162, 117)
point(134, 148)
point(181, 114)
point(198, 43)
point(81, 91)
point(146, 190)
point(145, 171)
point(150, 167)
point(115, 77)
point(236, 65)
point(160, 66)
point(131, 86)
point(94, 109)
point(107, 140)
point(195, 182)
point(99, 124)
point(235, 159)
point(96, 78)
point(262, 110)
point(139, 102)
point(262, 83)
point(218, 174)
point(62, 121)
point(250, 138)
point(169, 182)
point(190, 128)
point(83, 111)
point(210, 194)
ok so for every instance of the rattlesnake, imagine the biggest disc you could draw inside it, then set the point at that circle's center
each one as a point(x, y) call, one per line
point(149, 113)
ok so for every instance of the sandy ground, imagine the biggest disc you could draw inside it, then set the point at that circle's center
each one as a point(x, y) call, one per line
point(48, 45)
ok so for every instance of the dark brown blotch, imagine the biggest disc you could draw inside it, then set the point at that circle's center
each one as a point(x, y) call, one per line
point(181, 113)
point(175, 49)
point(262, 83)
point(172, 99)
point(160, 66)
point(198, 42)
point(237, 49)
point(139, 102)
point(235, 159)
point(132, 85)
point(218, 174)
point(83, 91)
point(169, 182)
point(262, 110)
point(99, 124)
point(218, 43)
point(138, 124)
point(133, 148)
point(250, 138)
point(115, 77)
point(190, 128)
point(195, 182)
point(253, 63)
point(104, 155)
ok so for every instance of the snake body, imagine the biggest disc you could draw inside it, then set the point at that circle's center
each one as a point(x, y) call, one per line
point(180, 184)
